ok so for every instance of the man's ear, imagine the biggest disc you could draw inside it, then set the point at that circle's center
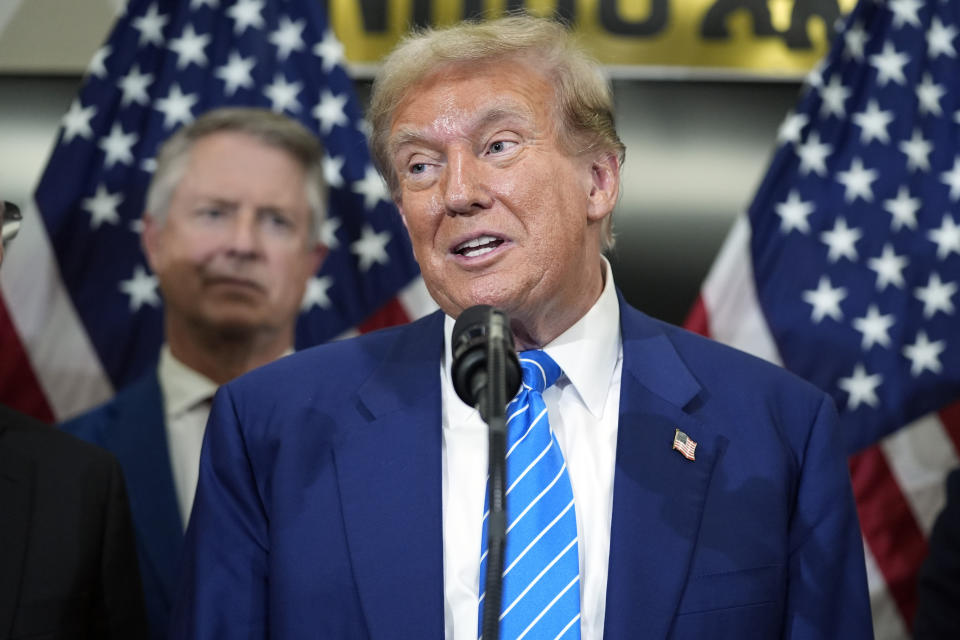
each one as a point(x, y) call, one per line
point(150, 240)
point(318, 253)
point(604, 187)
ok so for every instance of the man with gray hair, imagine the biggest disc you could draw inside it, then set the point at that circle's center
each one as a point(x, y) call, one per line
point(658, 484)
point(231, 231)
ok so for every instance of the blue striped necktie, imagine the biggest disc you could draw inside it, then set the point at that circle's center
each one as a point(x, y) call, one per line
point(541, 569)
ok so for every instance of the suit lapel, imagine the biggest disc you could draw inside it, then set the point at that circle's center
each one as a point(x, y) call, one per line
point(137, 437)
point(389, 470)
point(658, 495)
point(17, 483)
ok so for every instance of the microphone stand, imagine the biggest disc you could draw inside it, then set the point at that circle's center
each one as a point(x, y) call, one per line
point(493, 409)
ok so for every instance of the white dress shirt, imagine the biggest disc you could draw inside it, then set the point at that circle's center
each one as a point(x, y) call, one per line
point(186, 407)
point(583, 407)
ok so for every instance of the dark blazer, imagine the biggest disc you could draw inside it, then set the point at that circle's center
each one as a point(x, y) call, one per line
point(68, 568)
point(318, 512)
point(131, 426)
point(938, 602)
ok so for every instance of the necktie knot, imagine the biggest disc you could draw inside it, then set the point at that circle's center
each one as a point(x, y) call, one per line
point(539, 370)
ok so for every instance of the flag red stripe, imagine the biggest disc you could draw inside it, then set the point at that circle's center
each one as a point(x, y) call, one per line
point(19, 387)
point(950, 417)
point(388, 315)
point(889, 527)
point(697, 320)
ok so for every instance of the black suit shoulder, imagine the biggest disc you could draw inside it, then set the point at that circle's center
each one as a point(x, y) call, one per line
point(938, 601)
point(68, 559)
point(46, 445)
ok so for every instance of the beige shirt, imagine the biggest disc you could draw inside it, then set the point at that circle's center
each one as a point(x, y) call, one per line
point(584, 411)
point(186, 407)
point(187, 395)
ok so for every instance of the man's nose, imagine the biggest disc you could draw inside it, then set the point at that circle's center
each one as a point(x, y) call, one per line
point(464, 188)
point(243, 238)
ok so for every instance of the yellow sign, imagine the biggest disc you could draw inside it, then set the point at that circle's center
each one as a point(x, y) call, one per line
point(763, 37)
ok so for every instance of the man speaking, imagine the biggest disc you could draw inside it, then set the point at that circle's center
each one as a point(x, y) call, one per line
point(659, 485)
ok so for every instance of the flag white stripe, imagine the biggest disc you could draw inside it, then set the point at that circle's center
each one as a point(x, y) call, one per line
point(730, 295)
point(920, 455)
point(64, 361)
point(416, 300)
point(887, 622)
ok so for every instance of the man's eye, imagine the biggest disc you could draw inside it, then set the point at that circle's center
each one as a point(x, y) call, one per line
point(210, 212)
point(277, 220)
point(500, 146)
point(418, 167)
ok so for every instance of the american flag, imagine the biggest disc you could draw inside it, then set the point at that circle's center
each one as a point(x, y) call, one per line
point(846, 269)
point(683, 444)
point(83, 313)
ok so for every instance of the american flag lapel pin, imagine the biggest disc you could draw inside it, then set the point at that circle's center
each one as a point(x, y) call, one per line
point(685, 445)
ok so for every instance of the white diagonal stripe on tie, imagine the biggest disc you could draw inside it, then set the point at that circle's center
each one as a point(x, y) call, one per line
point(516, 413)
point(537, 579)
point(537, 499)
point(535, 540)
point(548, 607)
point(566, 628)
point(530, 428)
point(524, 408)
point(530, 466)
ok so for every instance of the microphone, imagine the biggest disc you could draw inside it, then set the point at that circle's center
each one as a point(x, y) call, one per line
point(486, 373)
point(482, 347)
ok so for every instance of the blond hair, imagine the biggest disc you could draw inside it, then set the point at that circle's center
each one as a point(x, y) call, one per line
point(584, 100)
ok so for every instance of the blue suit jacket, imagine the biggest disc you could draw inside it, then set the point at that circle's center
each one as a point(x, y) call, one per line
point(131, 426)
point(318, 513)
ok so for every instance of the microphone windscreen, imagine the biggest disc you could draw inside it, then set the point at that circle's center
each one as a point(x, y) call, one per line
point(468, 347)
point(478, 332)
point(471, 320)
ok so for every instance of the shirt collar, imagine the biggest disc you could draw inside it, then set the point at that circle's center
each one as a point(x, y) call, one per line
point(587, 352)
point(183, 388)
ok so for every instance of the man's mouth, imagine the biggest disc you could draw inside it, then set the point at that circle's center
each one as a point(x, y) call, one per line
point(478, 246)
point(233, 281)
